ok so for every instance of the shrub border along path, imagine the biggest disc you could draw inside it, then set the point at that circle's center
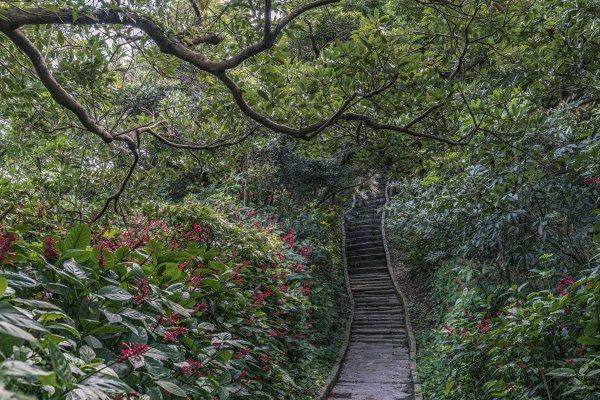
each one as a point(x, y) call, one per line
point(412, 341)
point(336, 369)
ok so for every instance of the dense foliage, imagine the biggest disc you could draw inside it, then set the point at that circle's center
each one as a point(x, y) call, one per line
point(182, 303)
point(133, 262)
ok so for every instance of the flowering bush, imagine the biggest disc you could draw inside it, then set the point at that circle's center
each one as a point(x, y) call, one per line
point(513, 342)
point(184, 304)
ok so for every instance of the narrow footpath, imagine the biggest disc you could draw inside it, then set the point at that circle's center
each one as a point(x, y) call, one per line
point(376, 365)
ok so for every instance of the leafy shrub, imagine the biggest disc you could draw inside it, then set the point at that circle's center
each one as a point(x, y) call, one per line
point(513, 342)
point(184, 304)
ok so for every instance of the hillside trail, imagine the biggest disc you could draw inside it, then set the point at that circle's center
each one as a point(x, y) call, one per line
point(376, 365)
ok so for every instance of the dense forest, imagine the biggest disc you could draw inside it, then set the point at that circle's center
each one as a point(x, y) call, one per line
point(175, 177)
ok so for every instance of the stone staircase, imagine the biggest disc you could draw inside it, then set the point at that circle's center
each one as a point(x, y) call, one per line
point(376, 365)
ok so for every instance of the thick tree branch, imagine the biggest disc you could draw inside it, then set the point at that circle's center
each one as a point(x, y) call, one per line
point(267, 28)
point(58, 93)
point(257, 48)
point(403, 129)
point(13, 18)
point(211, 146)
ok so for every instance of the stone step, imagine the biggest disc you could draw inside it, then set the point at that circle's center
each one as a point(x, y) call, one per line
point(363, 228)
point(365, 271)
point(356, 221)
point(360, 245)
point(359, 237)
point(373, 290)
point(367, 257)
point(366, 249)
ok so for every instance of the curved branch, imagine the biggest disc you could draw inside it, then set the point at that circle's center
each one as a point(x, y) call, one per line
point(211, 146)
point(272, 36)
point(403, 129)
point(58, 93)
point(115, 197)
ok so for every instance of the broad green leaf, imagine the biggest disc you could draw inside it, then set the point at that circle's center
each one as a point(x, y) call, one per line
point(588, 340)
point(20, 368)
point(562, 372)
point(171, 388)
point(114, 293)
point(79, 237)
point(3, 285)
point(60, 365)
point(15, 331)
point(12, 315)
point(19, 279)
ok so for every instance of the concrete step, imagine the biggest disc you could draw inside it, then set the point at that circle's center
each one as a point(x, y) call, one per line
point(366, 249)
point(362, 236)
point(364, 244)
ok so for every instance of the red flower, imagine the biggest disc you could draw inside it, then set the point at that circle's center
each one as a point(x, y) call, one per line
point(484, 326)
point(143, 289)
point(50, 253)
point(290, 238)
point(173, 334)
point(564, 284)
point(6, 242)
point(132, 350)
point(278, 333)
point(241, 354)
point(447, 329)
point(593, 181)
point(193, 368)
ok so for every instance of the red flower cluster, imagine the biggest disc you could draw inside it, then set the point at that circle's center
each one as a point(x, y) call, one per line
point(484, 326)
point(260, 298)
point(132, 350)
point(278, 333)
point(50, 252)
point(6, 242)
point(306, 251)
point(593, 181)
point(290, 238)
point(173, 334)
point(564, 284)
point(306, 288)
point(198, 234)
point(238, 355)
point(193, 368)
point(447, 330)
point(143, 289)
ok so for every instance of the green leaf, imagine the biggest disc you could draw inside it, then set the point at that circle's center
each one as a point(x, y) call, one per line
point(171, 388)
point(13, 316)
point(79, 237)
point(60, 365)
point(588, 340)
point(15, 331)
point(107, 329)
point(20, 368)
point(65, 327)
point(225, 378)
point(20, 280)
point(562, 372)
point(108, 383)
point(114, 293)
point(3, 285)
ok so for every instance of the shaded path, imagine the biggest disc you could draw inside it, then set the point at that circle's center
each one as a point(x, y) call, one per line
point(376, 365)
